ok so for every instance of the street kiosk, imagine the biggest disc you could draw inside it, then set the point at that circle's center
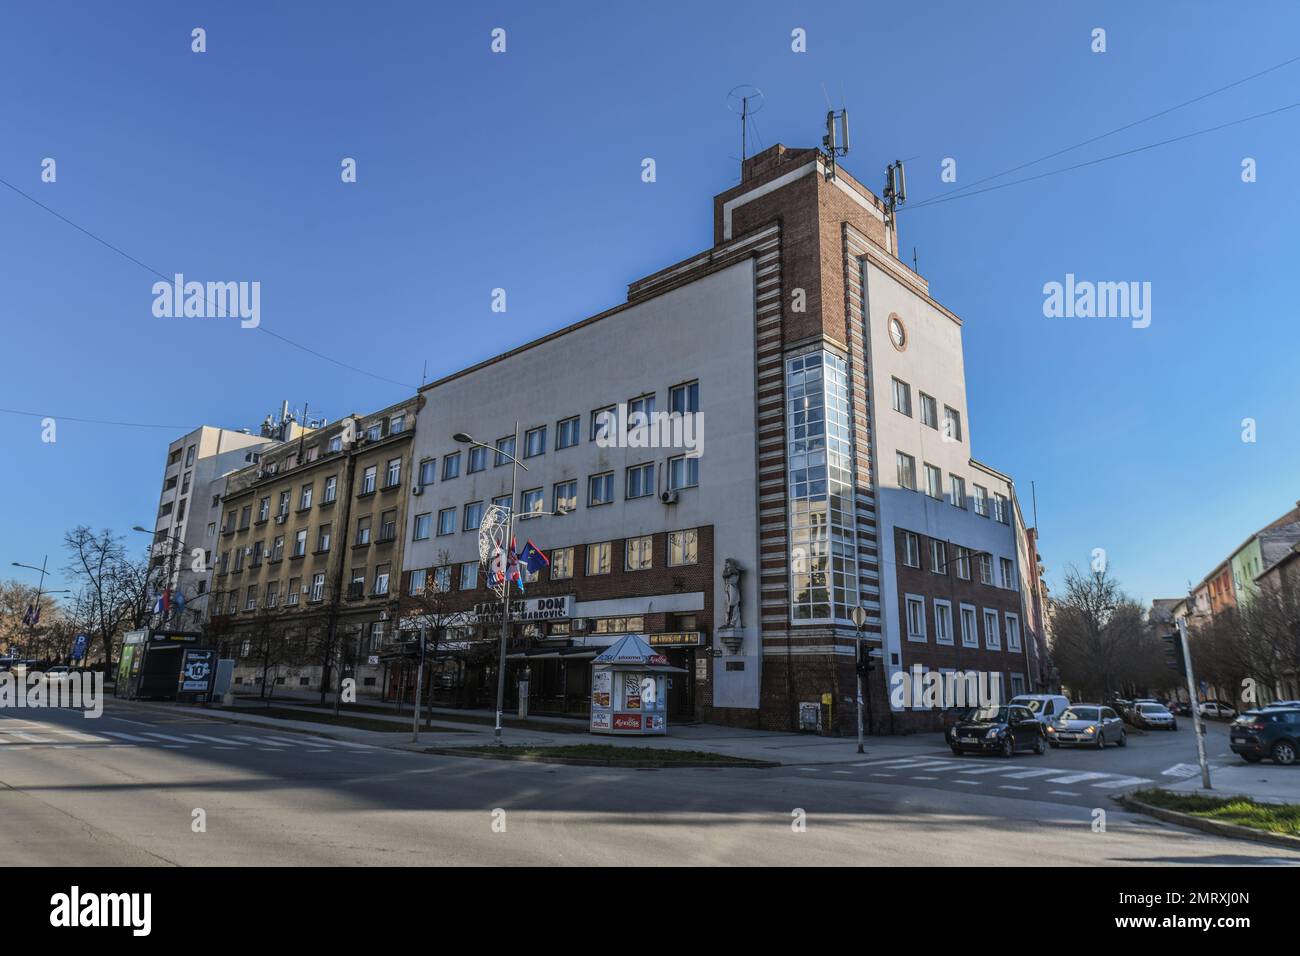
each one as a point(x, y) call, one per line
point(164, 665)
point(629, 689)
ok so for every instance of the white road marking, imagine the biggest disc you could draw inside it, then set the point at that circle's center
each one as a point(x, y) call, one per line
point(1007, 786)
point(261, 741)
point(969, 783)
point(978, 770)
point(131, 737)
point(1064, 793)
point(226, 742)
point(1080, 777)
point(884, 775)
point(839, 771)
point(1120, 782)
point(1026, 774)
point(925, 778)
point(179, 740)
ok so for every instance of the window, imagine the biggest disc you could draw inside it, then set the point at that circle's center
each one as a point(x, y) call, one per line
point(535, 442)
point(335, 444)
point(561, 564)
point(447, 521)
point(942, 622)
point(640, 411)
point(388, 525)
point(189, 456)
point(911, 550)
point(969, 636)
point(532, 502)
point(323, 539)
point(363, 531)
point(375, 431)
point(418, 579)
point(283, 505)
point(902, 394)
point(376, 635)
point(396, 424)
point(683, 472)
point(639, 553)
point(503, 501)
point(958, 486)
point(442, 579)
point(600, 489)
point(683, 547)
point(602, 424)
point(640, 481)
point(962, 560)
point(174, 457)
point(505, 451)
point(291, 595)
point(992, 635)
point(938, 556)
point(986, 569)
point(915, 618)
point(264, 509)
point(244, 515)
point(469, 575)
point(273, 594)
point(1018, 688)
point(477, 459)
point(368, 480)
point(428, 469)
point(1013, 631)
point(684, 399)
point(423, 524)
point(257, 555)
point(933, 482)
point(1001, 509)
point(331, 489)
point(317, 587)
point(473, 515)
point(250, 598)
point(304, 498)
point(1008, 573)
point(393, 474)
point(598, 558)
point(313, 452)
point(906, 471)
point(381, 579)
point(981, 500)
point(568, 432)
point(300, 543)
point(451, 466)
point(357, 583)
point(565, 496)
point(951, 424)
point(212, 529)
point(929, 411)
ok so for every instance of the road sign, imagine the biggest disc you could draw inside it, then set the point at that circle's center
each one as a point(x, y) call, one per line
point(859, 617)
point(79, 647)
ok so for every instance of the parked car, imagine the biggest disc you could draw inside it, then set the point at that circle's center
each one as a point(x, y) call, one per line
point(1284, 703)
point(1154, 717)
point(1045, 707)
point(58, 672)
point(1090, 725)
point(1217, 708)
point(1001, 730)
point(1273, 732)
point(1182, 708)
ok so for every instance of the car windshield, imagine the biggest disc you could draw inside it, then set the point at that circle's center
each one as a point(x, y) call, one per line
point(1153, 709)
point(1033, 705)
point(1080, 713)
point(988, 714)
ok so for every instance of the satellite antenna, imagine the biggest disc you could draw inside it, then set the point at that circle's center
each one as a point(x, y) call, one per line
point(836, 140)
point(745, 100)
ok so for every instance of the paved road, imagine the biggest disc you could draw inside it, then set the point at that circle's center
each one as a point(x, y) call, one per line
point(124, 789)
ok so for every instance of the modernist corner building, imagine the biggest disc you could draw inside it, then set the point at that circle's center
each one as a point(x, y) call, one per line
point(829, 466)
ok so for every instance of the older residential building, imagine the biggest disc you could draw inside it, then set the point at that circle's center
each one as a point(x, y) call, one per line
point(310, 546)
point(832, 469)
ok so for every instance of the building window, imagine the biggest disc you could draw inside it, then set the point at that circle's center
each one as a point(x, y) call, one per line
point(381, 579)
point(189, 456)
point(375, 431)
point(250, 598)
point(1013, 631)
point(938, 556)
point(640, 411)
point(683, 547)
point(902, 393)
point(684, 399)
point(535, 442)
point(602, 425)
point(969, 636)
point(419, 577)
point(505, 450)
point(942, 622)
point(565, 496)
point(363, 531)
point(986, 569)
point(376, 635)
point(683, 472)
point(257, 555)
point(428, 467)
point(357, 583)
point(503, 501)
point(323, 539)
point(915, 618)
point(300, 543)
point(212, 529)
point(598, 558)
point(951, 424)
point(992, 636)
point(958, 486)
point(447, 521)
point(911, 550)
point(423, 526)
point(962, 560)
point(317, 587)
point(640, 481)
point(981, 500)
point(469, 575)
point(264, 509)
point(331, 489)
point(933, 482)
point(442, 579)
point(335, 444)
point(473, 515)
point(295, 588)
point(450, 466)
point(1008, 573)
point(532, 502)
point(639, 553)
point(388, 526)
point(1002, 509)
point(393, 474)
point(600, 489)
point(396, 424)
point(368, 480)
point(477, 459)
point(273, 593)
point(561, 564)
point(1017, 683)
point(929, 411)
point(568, 432)
point(244, 515)
point(906, 471)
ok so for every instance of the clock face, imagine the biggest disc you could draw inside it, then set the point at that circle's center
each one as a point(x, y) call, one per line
point(897, 332)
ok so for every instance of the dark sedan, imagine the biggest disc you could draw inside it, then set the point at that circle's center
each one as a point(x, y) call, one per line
point(1273, 732)
point(1000, 730)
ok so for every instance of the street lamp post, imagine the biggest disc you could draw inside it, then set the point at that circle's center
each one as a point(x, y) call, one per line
point(179, 552)
point(859, 621)
point(31, 627)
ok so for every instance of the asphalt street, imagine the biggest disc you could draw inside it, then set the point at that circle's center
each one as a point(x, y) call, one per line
point(131, 786)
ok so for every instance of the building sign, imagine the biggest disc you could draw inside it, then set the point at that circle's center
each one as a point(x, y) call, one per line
point(676, 639)
point(559, 608)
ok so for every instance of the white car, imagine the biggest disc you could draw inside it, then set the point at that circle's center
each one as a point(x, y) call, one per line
point(1216, 708)
point(1046, 708)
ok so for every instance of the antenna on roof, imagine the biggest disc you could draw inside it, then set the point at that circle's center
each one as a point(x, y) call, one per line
point(836, 140)
point(895, 196)
point(744, 100)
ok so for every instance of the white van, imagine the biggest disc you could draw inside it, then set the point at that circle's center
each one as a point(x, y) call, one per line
point(1046, 707)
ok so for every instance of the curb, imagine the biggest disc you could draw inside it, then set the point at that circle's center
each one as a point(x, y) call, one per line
point(1209, 826)
point(593, 762)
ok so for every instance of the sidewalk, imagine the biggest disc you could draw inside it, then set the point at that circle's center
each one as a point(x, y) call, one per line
point(1264, 783)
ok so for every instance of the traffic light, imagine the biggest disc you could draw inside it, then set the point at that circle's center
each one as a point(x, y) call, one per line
point(1174, 658)
point(865, 664)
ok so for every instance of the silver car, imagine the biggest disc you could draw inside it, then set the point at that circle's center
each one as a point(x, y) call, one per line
point(1155, 717)
point(1087, 725)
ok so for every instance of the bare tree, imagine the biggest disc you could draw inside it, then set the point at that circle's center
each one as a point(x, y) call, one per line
point(429, 613)
point(270, 646)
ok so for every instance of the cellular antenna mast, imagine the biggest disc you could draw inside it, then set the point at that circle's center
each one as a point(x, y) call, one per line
point(744, 100)
point(836, 140)
point(895, 196)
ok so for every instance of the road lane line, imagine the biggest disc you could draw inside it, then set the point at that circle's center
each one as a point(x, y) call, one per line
point(1007, 786)
point(177, 740)
point(224, 741)
point(1026, 774)
point(1080, 777)
point(1064, 793)
point(1121, 782)
point(131, 737)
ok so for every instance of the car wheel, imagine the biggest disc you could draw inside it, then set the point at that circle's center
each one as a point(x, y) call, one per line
point(1008, 746)
point(1101, 741)
point(1283, 752)
point(1123, 739)
point(1173, 726)
point(1040, 747)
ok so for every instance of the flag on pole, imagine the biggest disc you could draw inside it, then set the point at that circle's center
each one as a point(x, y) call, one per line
point(33, 615)
point(533, 558)
point(163, 603)
point(506, 566)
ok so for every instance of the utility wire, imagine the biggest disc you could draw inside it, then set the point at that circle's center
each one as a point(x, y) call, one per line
point(93, 421)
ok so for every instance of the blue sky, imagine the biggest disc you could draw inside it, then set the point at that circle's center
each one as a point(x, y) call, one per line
point(522, 171)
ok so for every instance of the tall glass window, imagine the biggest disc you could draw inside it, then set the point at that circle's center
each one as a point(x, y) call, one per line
point(823, 564)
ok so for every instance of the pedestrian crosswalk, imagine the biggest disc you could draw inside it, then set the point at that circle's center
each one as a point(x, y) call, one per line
point(29, 734)
point(1014, 777)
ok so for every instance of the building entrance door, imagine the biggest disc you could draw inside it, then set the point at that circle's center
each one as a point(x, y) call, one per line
point(681, 687)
